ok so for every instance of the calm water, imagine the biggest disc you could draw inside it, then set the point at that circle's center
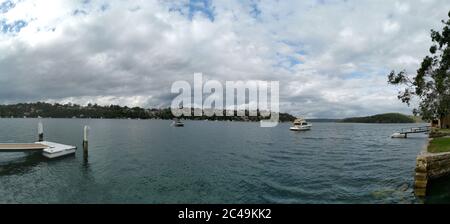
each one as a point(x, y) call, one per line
point(143, 161)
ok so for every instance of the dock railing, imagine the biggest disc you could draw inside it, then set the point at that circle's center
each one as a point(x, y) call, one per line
point(422, 129)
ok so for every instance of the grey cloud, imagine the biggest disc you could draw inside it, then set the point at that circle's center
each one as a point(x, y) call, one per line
point(132, 57)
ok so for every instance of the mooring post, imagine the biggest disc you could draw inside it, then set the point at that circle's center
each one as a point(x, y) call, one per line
point(85, 140)
point(40, 132)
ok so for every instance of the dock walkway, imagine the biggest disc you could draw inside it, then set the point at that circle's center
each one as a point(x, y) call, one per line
point(21, 147)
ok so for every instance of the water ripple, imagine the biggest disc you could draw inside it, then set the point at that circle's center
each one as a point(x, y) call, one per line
point(211, 162)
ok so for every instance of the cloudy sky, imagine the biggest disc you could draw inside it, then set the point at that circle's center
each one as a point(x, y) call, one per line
point(330, 56)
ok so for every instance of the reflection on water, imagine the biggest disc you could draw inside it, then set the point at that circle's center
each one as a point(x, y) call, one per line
point(147, 161)
point(26, 162)
point(21, 164)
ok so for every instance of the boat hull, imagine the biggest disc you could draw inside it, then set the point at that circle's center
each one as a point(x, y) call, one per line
point(398, 135)
point(300, 129)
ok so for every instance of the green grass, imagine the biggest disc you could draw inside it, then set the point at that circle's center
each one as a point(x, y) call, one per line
point(438, 145)
point(437, 133)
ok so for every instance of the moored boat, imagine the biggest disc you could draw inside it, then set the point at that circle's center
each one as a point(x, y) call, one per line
point(301, 124)
point(178, 123)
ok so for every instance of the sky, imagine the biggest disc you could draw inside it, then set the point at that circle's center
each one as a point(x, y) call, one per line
point(331, 57)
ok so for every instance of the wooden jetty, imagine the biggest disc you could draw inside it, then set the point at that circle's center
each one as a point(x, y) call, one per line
point(21, 147)
point(48, 149)
point(26, 147)
point(405, 131)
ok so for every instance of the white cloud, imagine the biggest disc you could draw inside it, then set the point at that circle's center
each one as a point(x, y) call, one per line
point(402, 7)
point(390, 27)
point(332, 57)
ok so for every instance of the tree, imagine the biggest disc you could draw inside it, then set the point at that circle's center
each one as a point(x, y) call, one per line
point(431, 83)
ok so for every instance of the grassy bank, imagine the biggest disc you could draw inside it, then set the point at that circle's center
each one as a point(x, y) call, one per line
point(438, 133)
point(438, 145)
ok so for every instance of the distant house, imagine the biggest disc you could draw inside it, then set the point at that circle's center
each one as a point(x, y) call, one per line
point(445, 123)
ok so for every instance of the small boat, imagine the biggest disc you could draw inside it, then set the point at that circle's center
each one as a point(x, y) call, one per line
point(178, 123)
point(398, 135)
point(301, 125)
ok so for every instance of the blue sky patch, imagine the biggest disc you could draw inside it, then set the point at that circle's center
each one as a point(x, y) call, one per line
point(6, 6)
point(14, 27)
point(293, 60)
point(254, 10)
point(195, 7)
point(201, 6)
point(287, 61)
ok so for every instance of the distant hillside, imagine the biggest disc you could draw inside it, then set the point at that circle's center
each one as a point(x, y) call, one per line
point(46, 110)
point(325, 120)
point(381, 118)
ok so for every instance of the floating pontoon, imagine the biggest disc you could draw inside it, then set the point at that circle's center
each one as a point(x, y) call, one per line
point(55, 150)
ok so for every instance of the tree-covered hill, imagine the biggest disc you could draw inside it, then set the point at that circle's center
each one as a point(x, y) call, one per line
point(381, 118)
point(47, 110)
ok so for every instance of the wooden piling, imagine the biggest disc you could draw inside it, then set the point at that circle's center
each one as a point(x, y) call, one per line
point(85, 141)
point(40, 132)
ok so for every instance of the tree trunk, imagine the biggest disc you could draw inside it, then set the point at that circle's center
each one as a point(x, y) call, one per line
point(441, 120)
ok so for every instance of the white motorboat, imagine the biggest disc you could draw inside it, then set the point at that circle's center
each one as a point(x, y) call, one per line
point(301, 125)
point(178, 123)
point(398, 135)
